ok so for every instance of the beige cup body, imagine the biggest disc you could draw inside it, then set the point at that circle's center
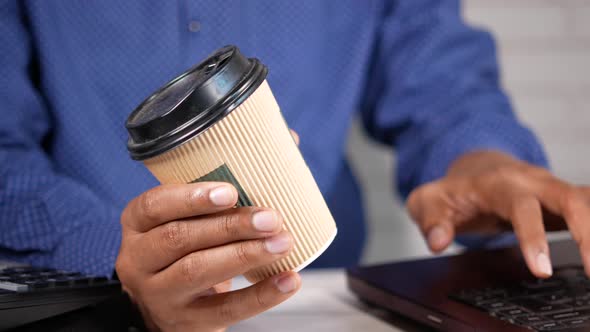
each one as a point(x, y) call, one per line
point(253, 148)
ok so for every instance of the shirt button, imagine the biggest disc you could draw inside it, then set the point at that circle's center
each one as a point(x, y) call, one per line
point(194, 26)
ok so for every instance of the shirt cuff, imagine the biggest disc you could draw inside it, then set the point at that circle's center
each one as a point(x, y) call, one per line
point(87, 232)
point(90, 249)
point(500, 133)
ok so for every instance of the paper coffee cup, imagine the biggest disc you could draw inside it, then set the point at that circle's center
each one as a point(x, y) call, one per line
point(219, 121)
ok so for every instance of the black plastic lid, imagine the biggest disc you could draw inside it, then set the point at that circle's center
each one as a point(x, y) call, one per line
point(192, 102)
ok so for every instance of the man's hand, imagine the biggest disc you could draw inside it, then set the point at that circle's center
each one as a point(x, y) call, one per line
point(181, 246)
point(487, 192)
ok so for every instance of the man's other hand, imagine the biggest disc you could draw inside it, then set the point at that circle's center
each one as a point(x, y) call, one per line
point(182, 244)
point(488, 192)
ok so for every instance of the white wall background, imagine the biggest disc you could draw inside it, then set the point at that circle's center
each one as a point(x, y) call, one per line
point(544, 51)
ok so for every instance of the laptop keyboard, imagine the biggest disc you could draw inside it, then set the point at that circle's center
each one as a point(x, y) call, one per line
point(29, 294)
point(29, 279)
point(558, 303)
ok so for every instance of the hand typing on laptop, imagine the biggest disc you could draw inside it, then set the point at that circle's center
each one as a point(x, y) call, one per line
point(484, 192)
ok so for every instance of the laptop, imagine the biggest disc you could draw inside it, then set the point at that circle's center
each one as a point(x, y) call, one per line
point(488, 290)
point(29, 294)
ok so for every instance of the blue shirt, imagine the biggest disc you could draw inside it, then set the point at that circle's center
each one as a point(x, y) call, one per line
point(71, 71)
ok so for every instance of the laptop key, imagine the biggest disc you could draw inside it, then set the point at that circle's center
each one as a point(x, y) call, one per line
point(576, 322)
point(564, 315)
point(495, 305)
point(562, 302)
point(531, 319)
point(507, 319)
point(541, 284)
point(475, 297)
point(562, 298)
point(513, 312)
point(537, 306)
point(576, 303)
point(58, 282)
point(15, 270)
point(97, 280)
point(49, 274)
point(11, 286)
point(69, 274)
point(80, 280)
point(36, 284)
point(548, 326)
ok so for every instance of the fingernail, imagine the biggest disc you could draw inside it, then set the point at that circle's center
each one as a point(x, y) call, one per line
point(222, 196)
point(265, 221)
point(286, 284)
point(278, 244)
point(437, 237)
point(544, 264)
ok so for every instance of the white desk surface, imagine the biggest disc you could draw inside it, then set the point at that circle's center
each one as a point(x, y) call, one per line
point(324, 304)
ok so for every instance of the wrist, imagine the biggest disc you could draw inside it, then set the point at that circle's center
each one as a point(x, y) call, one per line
point(476, 162)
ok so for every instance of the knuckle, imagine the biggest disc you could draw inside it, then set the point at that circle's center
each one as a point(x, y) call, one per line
point(125, 216)
point(228, 224)
point(226, 311)
point(194, 197)
point(571, 199)
point(260, 298)
point(505, 173)
point(538, 171)
point(428, 189)
point(127, 275)
point(242, 254)
point(121, 267)
point(175, 235)
point(412, 202)
point(148, 204)
point(415, 201)
point(190, 267)
point(523, 203)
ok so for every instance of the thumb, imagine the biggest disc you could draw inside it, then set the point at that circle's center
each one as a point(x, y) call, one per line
point(440, 236)
point(429, 210)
